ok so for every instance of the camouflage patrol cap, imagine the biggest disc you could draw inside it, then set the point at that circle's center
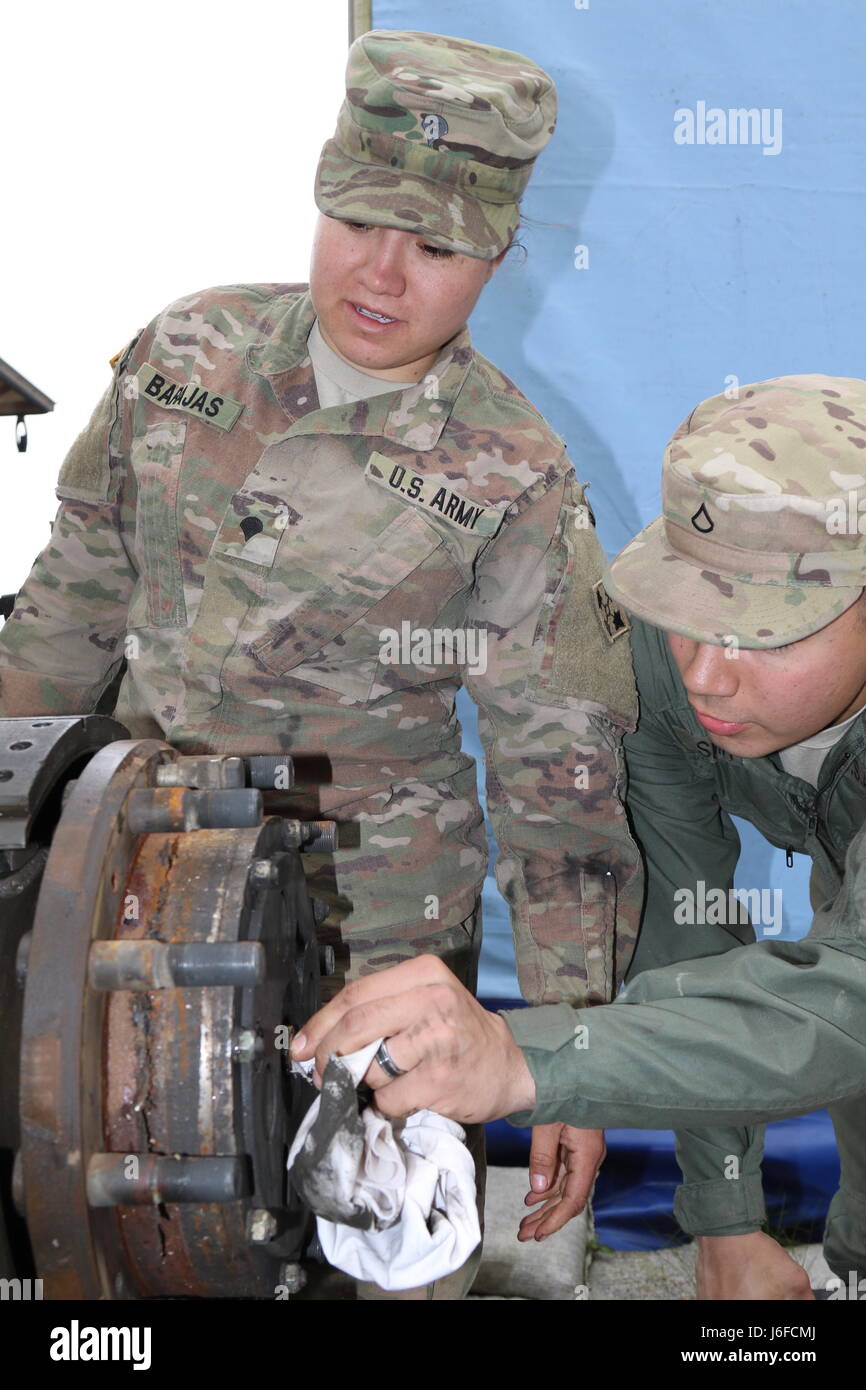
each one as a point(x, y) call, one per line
point(764, 499)
point(438, 136)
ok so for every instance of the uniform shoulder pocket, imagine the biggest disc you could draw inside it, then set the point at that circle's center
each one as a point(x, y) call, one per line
point(586, 653)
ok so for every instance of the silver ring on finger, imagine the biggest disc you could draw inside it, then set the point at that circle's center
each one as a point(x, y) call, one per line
point(386, 1061)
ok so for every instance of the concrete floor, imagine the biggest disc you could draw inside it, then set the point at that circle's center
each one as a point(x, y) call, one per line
point(567, 1266)
point(552, 1269)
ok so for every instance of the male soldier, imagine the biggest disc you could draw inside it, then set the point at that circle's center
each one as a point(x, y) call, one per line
point(306, 516)
point(753, 703)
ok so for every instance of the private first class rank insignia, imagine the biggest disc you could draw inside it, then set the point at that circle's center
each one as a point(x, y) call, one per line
point(191, 398)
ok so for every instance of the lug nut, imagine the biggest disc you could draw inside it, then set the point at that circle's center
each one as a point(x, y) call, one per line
point(271, 772)
point(215, 772)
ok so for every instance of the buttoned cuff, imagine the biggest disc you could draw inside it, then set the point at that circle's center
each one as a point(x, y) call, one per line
point(720, 1206)
point(541, 1032)
point(723, 1207)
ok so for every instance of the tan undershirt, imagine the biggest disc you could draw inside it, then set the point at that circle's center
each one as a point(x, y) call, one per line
point(337, 381)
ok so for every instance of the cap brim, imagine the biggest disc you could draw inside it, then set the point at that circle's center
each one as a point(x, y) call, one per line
point(651, 582)
point(353, 191)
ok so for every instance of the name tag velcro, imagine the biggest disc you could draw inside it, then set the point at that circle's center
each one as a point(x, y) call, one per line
point(221, 411)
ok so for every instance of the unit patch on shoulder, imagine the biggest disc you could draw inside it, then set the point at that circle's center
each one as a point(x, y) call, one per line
point(443, 502)
point(613, 620)
point(221, 411)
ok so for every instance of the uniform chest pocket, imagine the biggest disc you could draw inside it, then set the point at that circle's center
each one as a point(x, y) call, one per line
point(324, 613)
point(156, 455)
point(301, 581)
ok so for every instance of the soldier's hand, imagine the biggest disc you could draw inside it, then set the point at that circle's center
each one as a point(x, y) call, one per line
point(460, 1060)
point(563, 1163)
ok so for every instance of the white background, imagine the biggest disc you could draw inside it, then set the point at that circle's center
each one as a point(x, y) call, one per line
point(149, 151)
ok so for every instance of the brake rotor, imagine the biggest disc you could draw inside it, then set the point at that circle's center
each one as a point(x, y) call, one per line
point(173, 953)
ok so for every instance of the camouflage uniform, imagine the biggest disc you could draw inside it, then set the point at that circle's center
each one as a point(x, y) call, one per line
point(275, 572)
point(751, 547)
point(251, 571)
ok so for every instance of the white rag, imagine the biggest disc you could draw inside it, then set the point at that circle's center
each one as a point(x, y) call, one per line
point(402, 1193)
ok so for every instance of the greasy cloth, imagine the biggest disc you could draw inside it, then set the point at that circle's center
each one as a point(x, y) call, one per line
point(394, 1202)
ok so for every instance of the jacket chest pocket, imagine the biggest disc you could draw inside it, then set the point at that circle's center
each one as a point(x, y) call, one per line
point(156, 456)
point(333, 636)
point(298, 596)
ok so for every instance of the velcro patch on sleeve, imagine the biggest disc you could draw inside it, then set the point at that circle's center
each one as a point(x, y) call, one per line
point(85, 474)
point(589, 661)
point(433, 498)
point(202, 404)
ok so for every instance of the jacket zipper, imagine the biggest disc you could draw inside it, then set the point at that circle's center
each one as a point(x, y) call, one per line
point(811, 826)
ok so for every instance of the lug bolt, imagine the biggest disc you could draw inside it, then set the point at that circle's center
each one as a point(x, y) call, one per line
point(22, 957)
point(293, 1276)
point(261, 1226)
point(246, 1045)
point(263, 872)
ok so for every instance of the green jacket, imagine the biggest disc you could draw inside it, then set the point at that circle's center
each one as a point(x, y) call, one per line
point(763, 1031)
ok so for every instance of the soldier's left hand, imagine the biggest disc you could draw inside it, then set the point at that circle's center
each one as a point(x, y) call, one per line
point(563, 1163)
point(459, 1059)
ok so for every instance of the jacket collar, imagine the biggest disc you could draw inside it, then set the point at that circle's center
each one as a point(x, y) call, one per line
point(414, 417)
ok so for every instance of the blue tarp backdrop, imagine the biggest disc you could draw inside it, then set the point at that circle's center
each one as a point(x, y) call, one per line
point(664, 265)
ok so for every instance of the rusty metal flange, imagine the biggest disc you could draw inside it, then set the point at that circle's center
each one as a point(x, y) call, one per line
point(168, 966)
point(38, 758)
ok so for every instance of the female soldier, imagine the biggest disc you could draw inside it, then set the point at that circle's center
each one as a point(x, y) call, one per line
point(306, 515)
